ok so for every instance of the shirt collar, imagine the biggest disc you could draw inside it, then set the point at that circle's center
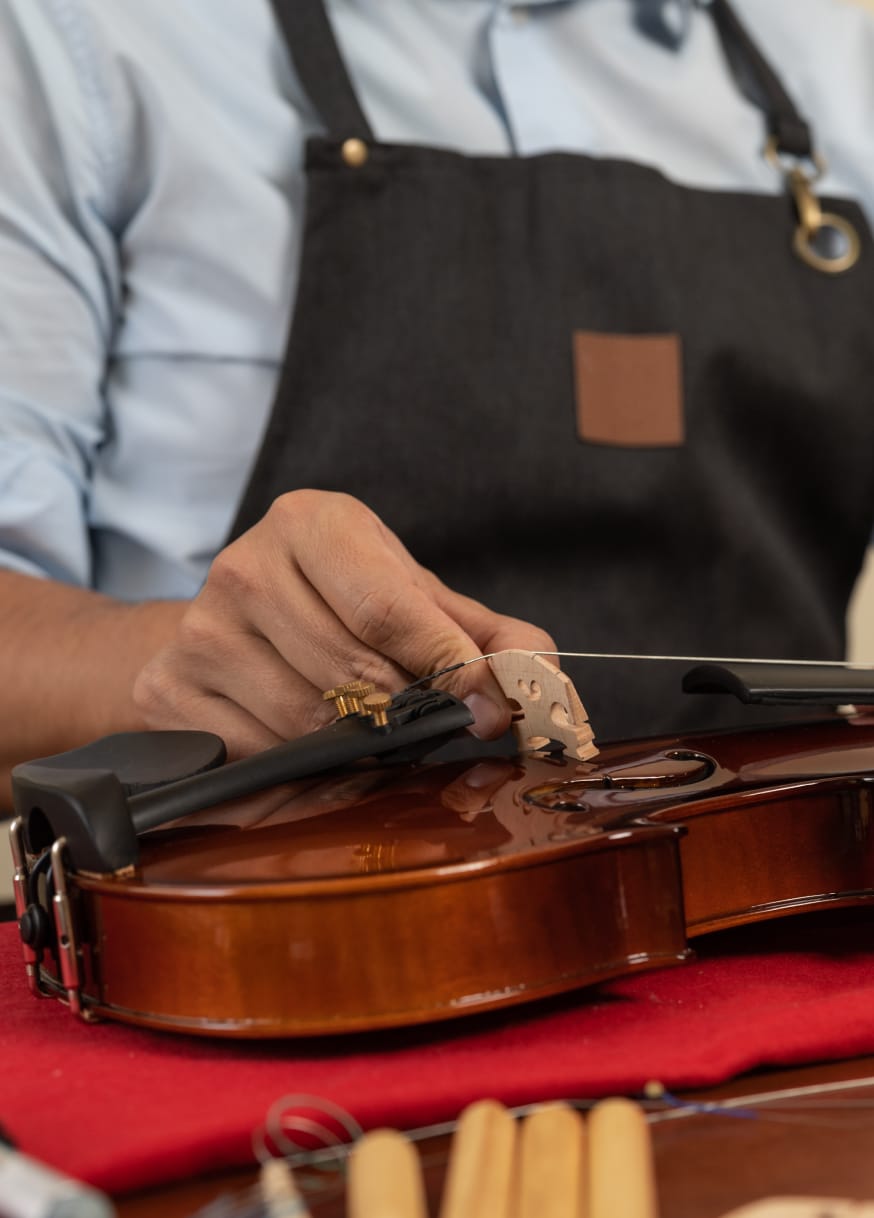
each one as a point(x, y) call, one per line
point(665, 21)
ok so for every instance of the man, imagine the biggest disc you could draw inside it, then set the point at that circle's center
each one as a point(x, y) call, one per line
point(612, 402)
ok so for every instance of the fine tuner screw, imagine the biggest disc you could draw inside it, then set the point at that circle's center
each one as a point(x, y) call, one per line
point(347, 698)
point(376, 705)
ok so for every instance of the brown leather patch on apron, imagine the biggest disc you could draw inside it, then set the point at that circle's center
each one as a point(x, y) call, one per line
point(629, 389)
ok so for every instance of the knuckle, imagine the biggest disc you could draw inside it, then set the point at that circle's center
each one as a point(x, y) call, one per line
point(198, 632)
point(444, 651)
point(541, 641)
point(234, 572)
point(289, 509)
point(304, 506)
point(377, 617)
point(378, 671)
point(535, 639)
point(154, 691)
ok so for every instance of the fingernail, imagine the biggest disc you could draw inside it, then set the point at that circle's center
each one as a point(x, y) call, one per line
point(489, 719)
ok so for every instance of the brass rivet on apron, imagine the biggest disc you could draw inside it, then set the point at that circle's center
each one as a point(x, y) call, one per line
point(354, 152)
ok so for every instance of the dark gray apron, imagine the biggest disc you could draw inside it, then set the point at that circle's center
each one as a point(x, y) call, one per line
point(472, 355)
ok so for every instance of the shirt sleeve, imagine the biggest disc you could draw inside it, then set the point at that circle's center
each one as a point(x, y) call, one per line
point(58, 288)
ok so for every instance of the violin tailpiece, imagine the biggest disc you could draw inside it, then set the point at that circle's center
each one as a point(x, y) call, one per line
point(548, 704)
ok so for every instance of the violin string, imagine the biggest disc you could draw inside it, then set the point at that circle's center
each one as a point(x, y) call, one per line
point(791, 1109)
point(861, 666)
point(810, 1092)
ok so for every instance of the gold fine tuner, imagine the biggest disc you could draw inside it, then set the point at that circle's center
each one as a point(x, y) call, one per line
point(376, 705)
point(347, 698)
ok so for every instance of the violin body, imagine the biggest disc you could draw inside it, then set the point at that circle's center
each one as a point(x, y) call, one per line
point(395, 895)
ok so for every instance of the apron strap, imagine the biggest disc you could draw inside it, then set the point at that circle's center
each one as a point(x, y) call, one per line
point(758, 81)
point(319, 65)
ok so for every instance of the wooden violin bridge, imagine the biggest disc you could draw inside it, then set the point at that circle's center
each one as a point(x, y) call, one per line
point(546, 704)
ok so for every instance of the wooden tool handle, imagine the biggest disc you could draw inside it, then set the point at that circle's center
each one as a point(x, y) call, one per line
point(279, 1192)
point(621, 1172)
point(552, 1170)
point(385, 1178)
point(479, 1178)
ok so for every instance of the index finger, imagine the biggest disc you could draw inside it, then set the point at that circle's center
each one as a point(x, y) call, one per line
point(389, 611)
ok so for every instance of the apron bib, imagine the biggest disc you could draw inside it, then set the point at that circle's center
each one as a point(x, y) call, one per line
point(619, 407)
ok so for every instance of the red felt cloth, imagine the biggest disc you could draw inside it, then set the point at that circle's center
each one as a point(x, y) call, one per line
point(126, 1108)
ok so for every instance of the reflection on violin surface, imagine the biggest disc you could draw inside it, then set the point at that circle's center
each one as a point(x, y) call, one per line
point(387, 820)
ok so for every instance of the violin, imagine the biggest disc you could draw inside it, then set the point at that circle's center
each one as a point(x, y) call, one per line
point(348, 882)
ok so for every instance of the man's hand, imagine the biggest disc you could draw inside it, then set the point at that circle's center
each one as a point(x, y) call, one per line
point(319, 592)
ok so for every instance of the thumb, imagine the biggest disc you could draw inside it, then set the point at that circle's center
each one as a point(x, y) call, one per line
point(475, 683)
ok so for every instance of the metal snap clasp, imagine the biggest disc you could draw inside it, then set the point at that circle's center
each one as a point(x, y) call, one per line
point(833, 246)
point(823, 240)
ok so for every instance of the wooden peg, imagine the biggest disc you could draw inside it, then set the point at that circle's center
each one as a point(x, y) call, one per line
point(549, 705)
point(279, 1191)
point(479, 1178)
point(385, 1178)
point(621, 1171)
point(552, 1148)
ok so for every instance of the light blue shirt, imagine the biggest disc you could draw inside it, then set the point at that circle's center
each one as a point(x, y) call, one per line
point(151, 202)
